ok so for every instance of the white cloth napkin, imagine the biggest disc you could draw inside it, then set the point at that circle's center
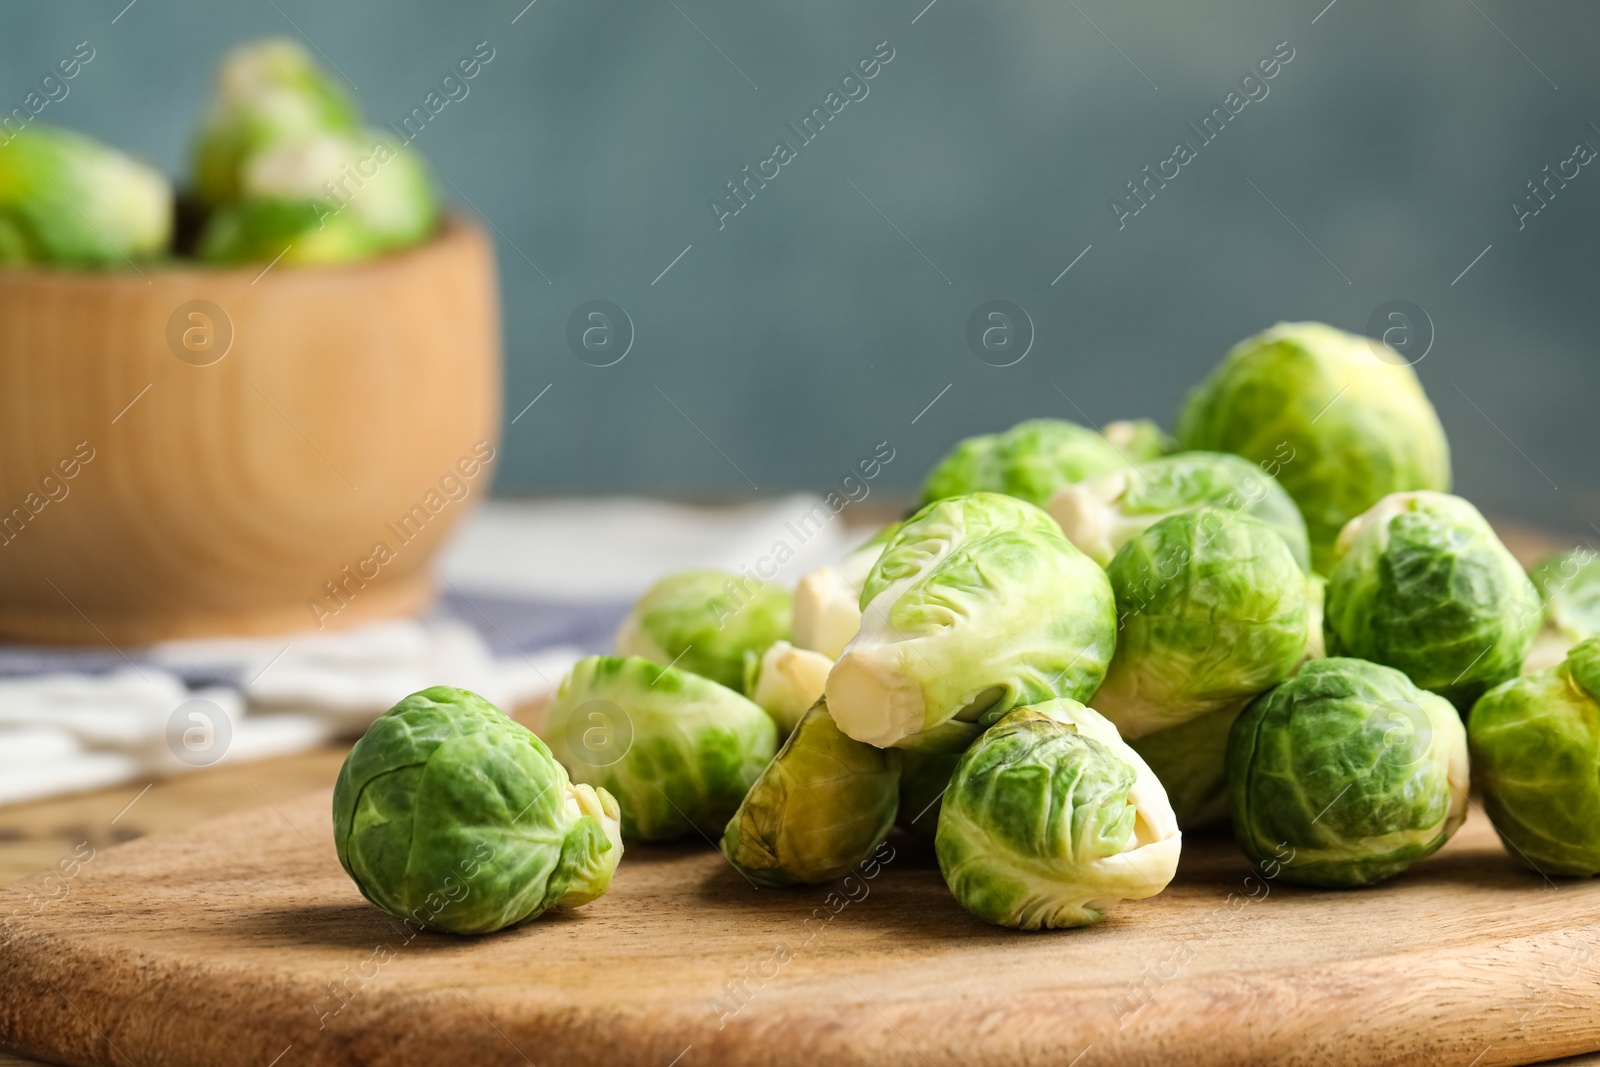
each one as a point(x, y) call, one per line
point(67, 730)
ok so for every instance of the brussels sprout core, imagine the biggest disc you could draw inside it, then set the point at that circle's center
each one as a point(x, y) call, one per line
point(827, 602)
point(786, 681)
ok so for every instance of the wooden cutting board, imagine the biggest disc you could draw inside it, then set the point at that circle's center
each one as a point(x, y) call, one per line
point(223, 945)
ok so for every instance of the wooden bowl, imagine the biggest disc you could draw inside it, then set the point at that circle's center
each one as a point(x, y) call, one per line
point(188, 451)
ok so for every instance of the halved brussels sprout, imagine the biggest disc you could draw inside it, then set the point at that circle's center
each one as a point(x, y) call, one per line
point(1536, 753)
point(786, 681)
point(705, 621)
point(68, 200)
point(817, 810)
point(1337, 425)
point(451, 815)
point(1346, 774)
point(1423, 584)
point(827, 602)
point(1030, 461)
point(267, 93)
point(1100, 514)
point(678, 751)
point(1139, 439)
point(1191, 762)
point(1213, 610)
point(978, 605)
point(1569, 584)
point(1051, 818)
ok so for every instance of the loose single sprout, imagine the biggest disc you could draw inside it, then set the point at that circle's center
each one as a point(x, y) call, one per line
point(1536, 753)
point(978, 605)
point(1051, 818)
point(1213, 610)
point(1339, 426)
point(1191, 762)
point(449, 814)
point(678, 751)
point(827, 602)
point(268, 93)
point(705, 621)
point(1100, 514)
point(1423, 584)
point(323, 198)
point(68, 200)
point(822, 806)
point(786, 681)
point(1031, 460)
point(1569, 584)
point(1139, 439)
point(1346, 774)
point(924, 776)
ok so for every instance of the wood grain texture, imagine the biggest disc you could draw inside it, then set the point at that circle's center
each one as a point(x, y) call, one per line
point(220, 945)
point(35, 835)
point(220, 498)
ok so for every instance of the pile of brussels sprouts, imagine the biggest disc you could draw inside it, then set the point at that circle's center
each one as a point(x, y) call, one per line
point(1079, 646)
point(282, 168)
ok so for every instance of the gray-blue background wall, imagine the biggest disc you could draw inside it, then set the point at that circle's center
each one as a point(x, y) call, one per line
point(780, 348)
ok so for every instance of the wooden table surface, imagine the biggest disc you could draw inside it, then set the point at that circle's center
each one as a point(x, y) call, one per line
point(36, 835)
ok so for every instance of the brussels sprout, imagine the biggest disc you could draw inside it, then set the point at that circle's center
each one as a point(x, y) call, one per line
point(817, 810)
point(1569, 584)
point(1423, 584)
point(1536, 753)
point(68, 200)
point(1338, 426)
point(1100, 514)
point(677, 750)
point(450, 814)
point(827, 602)
point(786, 681)
point(1346, 774)
point(1190, 761)
point(924, 776)
point(705, 622)
point(323, 198)
point(1051, 818)
point(267, 93)
point(978, 605)
point(1212, 610)
point(1031, 460)
point(1139, 439)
